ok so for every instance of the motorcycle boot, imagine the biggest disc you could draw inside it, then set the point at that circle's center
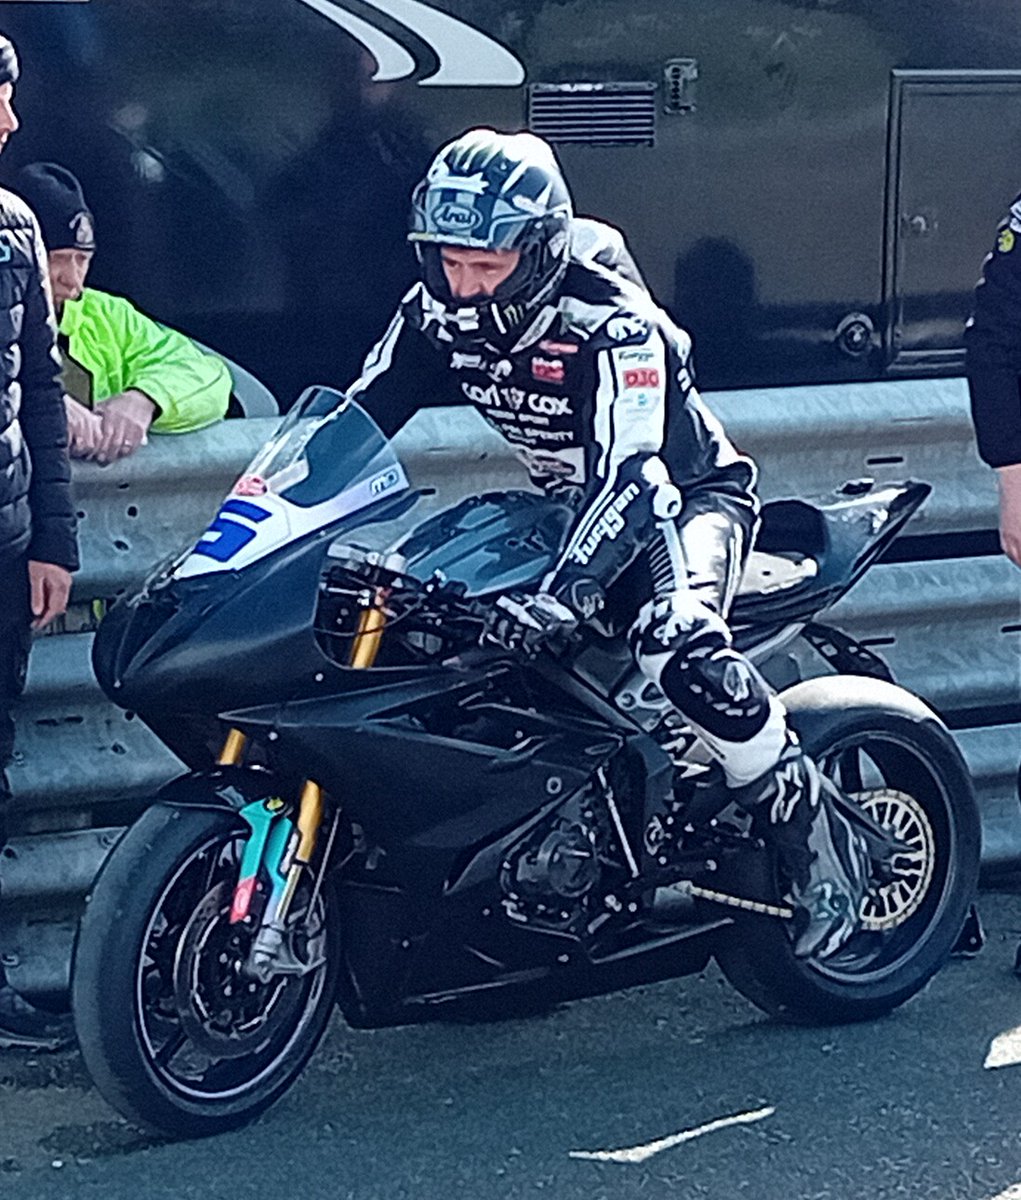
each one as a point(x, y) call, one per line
point(793, 807)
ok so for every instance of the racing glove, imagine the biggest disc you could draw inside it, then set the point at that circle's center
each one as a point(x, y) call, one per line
point(528, 622)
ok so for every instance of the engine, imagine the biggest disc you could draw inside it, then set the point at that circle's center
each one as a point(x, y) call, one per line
point(549, 876)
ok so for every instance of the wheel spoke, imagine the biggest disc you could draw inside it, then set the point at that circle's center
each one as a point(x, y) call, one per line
point(170, 1047)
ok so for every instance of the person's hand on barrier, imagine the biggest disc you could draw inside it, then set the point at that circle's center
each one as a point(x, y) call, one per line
point(125, 421)
point(84, 429)
point(1010, 511)
point(50, 589)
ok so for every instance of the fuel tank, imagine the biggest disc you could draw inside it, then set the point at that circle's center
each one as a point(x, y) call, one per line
point(496, 542)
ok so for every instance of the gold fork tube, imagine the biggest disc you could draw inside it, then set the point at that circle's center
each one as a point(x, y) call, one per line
point(368, 637)
point(233, 748)
point(310, 817)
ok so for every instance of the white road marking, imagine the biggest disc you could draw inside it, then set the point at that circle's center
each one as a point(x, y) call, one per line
point(637, 1154)
point(1012, 1193)
point(1004, 1051)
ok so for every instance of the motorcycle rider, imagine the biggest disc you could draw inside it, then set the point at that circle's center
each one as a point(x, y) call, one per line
point(544, 326)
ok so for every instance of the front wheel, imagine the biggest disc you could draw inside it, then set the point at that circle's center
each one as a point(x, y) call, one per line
point(174, 1033)
point(905, 771)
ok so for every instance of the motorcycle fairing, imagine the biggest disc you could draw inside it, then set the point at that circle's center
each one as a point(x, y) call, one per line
point(844, 535)
point(432, 764)
point(165, 649)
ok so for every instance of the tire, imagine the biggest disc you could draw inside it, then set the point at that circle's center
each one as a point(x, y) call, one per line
point(899, 762)
point(174, 1040)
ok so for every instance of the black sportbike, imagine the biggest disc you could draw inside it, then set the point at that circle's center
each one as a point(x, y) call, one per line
point(385, 812)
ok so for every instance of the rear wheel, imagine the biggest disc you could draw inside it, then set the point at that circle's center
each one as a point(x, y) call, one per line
point(175, 1034)
point(909, 777)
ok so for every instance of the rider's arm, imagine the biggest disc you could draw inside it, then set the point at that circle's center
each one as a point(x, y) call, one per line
point(402, 372)
point(655, 446)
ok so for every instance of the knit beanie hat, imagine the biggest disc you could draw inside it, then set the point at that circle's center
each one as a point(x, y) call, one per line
point(56, 198)
point(8, 61)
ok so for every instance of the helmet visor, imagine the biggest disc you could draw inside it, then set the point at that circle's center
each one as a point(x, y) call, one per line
point(465, 217)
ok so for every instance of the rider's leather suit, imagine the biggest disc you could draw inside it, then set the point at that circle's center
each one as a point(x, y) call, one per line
point(596, 396)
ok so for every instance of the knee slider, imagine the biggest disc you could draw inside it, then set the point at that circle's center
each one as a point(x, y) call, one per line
point(719, 690)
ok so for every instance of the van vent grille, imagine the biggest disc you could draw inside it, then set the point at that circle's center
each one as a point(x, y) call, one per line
point(598, 114)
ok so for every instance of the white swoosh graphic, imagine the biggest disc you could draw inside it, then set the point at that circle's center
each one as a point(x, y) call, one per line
point(392, 60)
point(467, 57)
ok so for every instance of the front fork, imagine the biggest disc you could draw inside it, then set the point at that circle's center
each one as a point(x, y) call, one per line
point(281, 849)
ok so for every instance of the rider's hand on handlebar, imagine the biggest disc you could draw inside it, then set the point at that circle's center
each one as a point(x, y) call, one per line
point(527, 622)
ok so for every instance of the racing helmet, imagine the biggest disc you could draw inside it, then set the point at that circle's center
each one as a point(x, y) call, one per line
point(494, 191)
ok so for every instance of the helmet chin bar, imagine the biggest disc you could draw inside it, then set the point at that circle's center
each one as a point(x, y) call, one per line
point(496, 316)
point(487, 318)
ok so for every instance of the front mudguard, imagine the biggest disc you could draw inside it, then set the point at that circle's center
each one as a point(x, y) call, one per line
point(223, 787)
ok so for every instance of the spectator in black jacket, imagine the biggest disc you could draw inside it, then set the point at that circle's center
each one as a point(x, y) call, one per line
point(38, 550)
point(993, 341)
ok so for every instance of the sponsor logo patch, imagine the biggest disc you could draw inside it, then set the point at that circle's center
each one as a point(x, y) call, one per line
point(636, 356)
point(608, 524)
point(1005, 242)
point(496, 371)
point(81, 229)
point(456, 218)
point(383, 483)
point(552, 347)
point(627, 329)
point(517, 400)
point(250, 485)
point(549, 370)
point(545, 464)
point(641, 377)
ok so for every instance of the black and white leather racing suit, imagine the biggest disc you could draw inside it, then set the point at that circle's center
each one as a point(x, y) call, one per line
point(596, 397)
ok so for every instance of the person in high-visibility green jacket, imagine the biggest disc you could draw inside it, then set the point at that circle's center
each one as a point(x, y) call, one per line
point(125, 375)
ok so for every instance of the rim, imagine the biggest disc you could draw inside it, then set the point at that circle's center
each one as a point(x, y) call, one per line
point(889, 904)
point(897, 785)
point(209, 1033)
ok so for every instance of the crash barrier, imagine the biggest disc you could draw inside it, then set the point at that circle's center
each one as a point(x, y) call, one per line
point(950, 628)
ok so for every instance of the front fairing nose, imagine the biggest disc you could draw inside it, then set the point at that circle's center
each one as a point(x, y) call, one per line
point(137, 630)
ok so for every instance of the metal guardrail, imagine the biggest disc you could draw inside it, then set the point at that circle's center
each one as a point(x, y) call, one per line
point(950, 629)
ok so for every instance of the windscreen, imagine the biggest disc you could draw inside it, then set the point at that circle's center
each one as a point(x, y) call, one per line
point(324, 447)
point(327, 460)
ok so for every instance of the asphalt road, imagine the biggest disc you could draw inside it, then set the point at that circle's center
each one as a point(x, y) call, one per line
point(645, 1081)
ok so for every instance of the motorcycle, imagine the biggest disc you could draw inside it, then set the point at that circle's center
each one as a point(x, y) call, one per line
point(386, 812)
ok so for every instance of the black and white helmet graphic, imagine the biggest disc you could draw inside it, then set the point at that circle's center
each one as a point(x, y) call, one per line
point(494, 191)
